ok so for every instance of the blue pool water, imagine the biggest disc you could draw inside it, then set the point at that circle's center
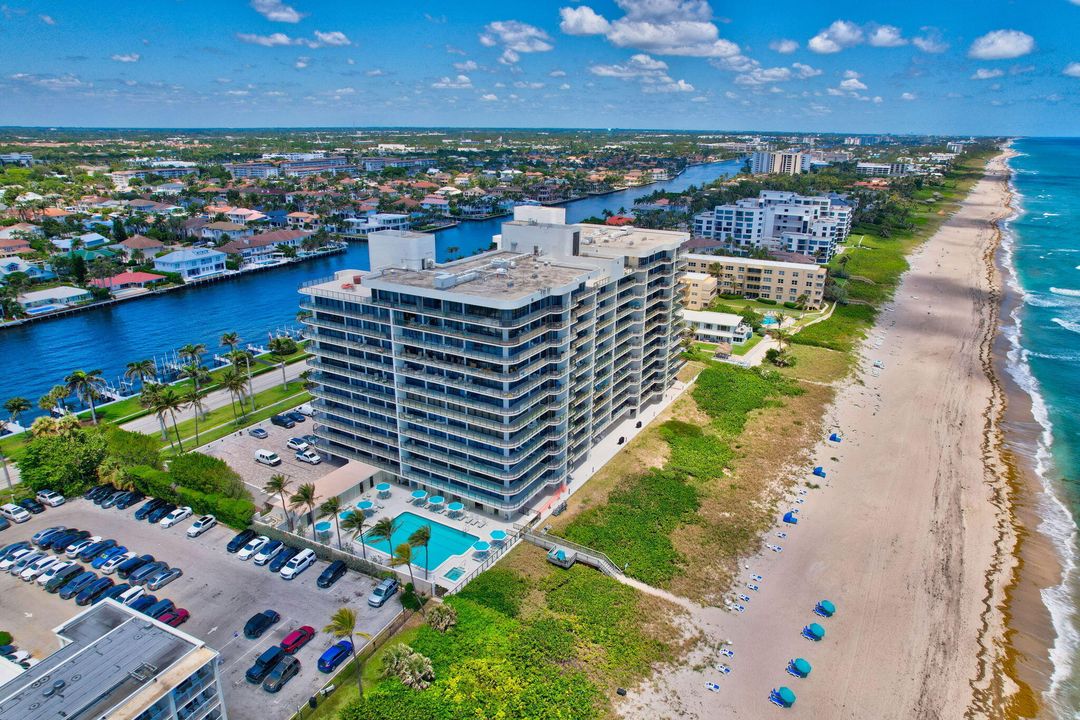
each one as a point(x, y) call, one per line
point(445, 541)
point(454, 573)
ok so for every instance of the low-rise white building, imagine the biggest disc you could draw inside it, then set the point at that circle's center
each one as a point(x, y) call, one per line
point(60, 296)
point(716, 327)
point(192, 263)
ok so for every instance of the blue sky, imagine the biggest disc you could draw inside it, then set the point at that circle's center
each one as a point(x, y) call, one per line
point(948, 66)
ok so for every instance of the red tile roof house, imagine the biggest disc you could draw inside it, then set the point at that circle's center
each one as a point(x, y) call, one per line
point(128, 280)
point(14, 246)
point(262, 247)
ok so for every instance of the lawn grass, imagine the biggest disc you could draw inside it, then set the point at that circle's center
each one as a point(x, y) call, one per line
point(747, 346)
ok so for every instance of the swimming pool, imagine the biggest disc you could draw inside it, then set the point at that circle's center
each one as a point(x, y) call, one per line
point(445, 541)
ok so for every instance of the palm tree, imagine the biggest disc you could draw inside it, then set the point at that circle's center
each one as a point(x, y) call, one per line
point(167, 400)
point(421, 537)
point(194, 400)
point(384, 529)
point(16, 406)
point(86, 385)
point(235, 383)
point(11, 308)
point(141, 370)
point(403, 556)
point(193, 352)
point(331, 507)
point(305, 497)
point(236, 357)
point(148, 399)
point(279, 484)
point(281, 348)
point(343, 625)
point(230, 340)
point(354, 522)
point(305, 378)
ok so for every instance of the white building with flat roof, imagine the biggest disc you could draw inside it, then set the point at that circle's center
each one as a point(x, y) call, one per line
point(716, 327)
point(769, 279)
point(488, 380)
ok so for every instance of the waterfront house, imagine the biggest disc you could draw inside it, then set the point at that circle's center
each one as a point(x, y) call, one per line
point(192, 263)
point(715, 327)
point(302, 220)
point(376, 222)
point(9, 232)
point(36, 271)
point(128, 280)
point(89, 241)
point(57, 297)
point(14, 246)
point(243, 216)
point(264, 246)
point(225, 230)
point(148, 247)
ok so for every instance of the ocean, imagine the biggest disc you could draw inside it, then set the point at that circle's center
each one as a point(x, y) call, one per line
point(1041, 247)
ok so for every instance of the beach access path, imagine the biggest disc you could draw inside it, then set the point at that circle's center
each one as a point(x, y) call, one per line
point(901, 533)
point(149, 424)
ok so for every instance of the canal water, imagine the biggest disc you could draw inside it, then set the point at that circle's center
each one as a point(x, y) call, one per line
point(38, 355)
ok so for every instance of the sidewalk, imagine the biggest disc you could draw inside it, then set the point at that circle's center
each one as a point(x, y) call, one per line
point(149, 424)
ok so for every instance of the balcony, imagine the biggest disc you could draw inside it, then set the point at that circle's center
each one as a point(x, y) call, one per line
point(488, 337)
point(486, 320)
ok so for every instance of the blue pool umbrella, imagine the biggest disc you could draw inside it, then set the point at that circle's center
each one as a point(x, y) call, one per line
point(790, 519)
point(481, 546)
point(498, 535)
point(365, 505)
point(799, 668)
point(825, 608)
point(436, 500)
point(455, 507)
point(786, 696)
point(345, 515)
point(814, 631)
point(383, 487)
point(419, 495)
point(819, 471)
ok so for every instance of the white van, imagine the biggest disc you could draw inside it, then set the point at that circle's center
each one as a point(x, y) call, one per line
point(267, 457)
point(306, 409)
point(14, 513)
point(299, 563)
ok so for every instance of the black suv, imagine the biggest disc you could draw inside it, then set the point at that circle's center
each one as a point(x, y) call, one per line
point(331, 574)
point(264, 664)
point(240, 540)
point(258, 624)
point(282, 421)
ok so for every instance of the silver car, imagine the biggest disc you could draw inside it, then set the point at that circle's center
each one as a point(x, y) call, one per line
point(160, 579)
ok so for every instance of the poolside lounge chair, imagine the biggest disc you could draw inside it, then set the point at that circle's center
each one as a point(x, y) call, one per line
point(481, 523)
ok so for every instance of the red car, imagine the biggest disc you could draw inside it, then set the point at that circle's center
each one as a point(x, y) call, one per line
point(175, 618)
point(297, 639)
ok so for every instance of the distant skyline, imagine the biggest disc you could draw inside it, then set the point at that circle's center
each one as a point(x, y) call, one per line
point(950, 67)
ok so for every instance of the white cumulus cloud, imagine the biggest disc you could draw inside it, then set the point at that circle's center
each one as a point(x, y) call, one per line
point(467, 66)
point(515, 38)
point(930, 41)
point(841, 34)
point(909, 96)
point(489, 97)
point(662, 27)
point(987, 74)
point(852, 84)
point(128, 58)
point(1002, 45)
point(886, 36)
point(460, 82)
point(276, 11)
point(582, 21)
point(1073, 68)
point(651, 73)
point(784, 46)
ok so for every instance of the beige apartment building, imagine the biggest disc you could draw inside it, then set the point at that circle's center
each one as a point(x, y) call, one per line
point(770, 279)
point(699, 289)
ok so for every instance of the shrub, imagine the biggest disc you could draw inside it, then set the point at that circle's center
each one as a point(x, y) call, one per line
point(766, 301)
point(5, 637)
point(206, 474)
point(498, 589)
point(65, 463)
point(234, 512)
point(442, 617)
point(791, 305)
point(152, 482)
point(133, 448)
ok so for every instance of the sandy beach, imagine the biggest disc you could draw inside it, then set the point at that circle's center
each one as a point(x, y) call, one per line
point(910, 534)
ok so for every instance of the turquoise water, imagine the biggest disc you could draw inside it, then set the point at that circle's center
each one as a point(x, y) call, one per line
point(1042, 248)
point(445, 541)
point(454, 573)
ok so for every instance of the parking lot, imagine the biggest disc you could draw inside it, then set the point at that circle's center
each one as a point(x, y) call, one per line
point(238, 450)
point(219, 590)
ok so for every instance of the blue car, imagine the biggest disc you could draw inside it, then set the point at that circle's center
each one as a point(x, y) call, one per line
point(91, 592)
point(92, 551)
point(334, 656)
point(131, 565)
point(114, 592)
point(107, 556)
point(143, 603)
point(160, 608)
point(77, 584)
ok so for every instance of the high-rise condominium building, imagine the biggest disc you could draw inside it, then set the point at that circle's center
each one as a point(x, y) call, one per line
point(489, 379)
point(776, 163)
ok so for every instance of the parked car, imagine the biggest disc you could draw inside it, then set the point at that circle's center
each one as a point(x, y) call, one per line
point(297, 444)
point(333, 572)
point(306, 409)
point(382, 592)
point(297, 639)
point(129, 566)
point(99, 562)
point(113, 593)
point(140, 576)
point(148, 507)
point(155, 516)
point(296, 417)
point(334, 656)
point(177, 515)
point(175, 617)
point(96, 491)
point(4, 524)
point(6, 563)
point(61, 542)
point(264, 664)
point(32, 506)
point(133, 593)
point(253, 546)
point(160, 608)
point(240, 540)
point(267, 457)
point(77, 584)
point(301, 562)
point(93, 550)
point(129, 499)
point(311, 440)
point(78, 546)
point(106, 492)
point(9, 550)
point(268, 552)
point(287, 553)
point(284, 671)
point(163, 578)
point(258, 624)
point(282, 421)
point(258, 432)
point(39, 566)
point(26, 561)
point(41, 535)
point(143, 602)
point(91, 592)
point(53, 570)
point(112, 498)
point(63, 577)
point(115, 561)
point(14, 513)
point(309, 456)
point(201, 525)
point(50, 498)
